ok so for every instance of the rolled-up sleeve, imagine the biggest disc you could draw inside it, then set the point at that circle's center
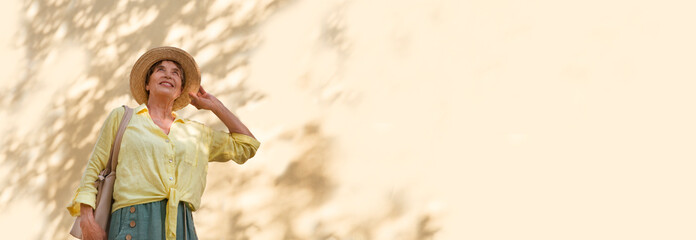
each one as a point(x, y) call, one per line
point(87, 191)
point(231, 146)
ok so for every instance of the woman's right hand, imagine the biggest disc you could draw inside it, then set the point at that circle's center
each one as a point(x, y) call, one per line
point(90, 229)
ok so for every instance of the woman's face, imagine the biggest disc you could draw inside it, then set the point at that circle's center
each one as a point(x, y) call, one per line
point(165, 80)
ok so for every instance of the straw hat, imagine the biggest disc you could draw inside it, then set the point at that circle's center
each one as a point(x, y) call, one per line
point(192, 74)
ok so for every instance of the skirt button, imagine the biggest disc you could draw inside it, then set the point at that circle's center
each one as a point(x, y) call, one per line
point(132, 209)
point(132, 224)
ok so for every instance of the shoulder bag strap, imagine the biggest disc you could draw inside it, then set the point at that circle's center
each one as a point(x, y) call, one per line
point(113, 156)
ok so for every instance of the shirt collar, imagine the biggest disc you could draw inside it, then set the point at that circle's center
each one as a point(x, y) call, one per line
point(143, 108)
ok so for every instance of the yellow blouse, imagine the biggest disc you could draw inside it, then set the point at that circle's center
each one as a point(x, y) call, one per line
point(153, 166)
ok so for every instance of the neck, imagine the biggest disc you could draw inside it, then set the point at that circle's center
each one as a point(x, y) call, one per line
point(160, 109)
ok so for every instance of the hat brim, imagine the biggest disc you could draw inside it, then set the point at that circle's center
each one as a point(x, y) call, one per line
point(192, 74)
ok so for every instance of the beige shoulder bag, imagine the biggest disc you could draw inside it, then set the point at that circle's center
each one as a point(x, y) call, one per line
point(105, 182)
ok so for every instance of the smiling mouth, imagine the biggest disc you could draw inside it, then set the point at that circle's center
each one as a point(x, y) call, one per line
point(168, 84)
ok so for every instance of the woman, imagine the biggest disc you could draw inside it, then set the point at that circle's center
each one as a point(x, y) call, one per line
point(162, 164)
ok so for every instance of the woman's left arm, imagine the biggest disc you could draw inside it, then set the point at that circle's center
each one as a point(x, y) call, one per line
point(204, 100)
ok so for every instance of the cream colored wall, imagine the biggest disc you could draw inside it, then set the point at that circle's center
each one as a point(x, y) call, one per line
point(407, 119)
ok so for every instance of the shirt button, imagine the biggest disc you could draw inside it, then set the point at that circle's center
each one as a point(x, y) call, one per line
point(166, 140)
point(132, 209)
point(171, 179)
point(170, 160)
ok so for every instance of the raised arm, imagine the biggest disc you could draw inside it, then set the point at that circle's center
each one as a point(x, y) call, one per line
point(205, 100)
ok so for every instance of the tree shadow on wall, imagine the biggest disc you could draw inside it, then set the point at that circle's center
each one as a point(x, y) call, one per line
point(295, 198)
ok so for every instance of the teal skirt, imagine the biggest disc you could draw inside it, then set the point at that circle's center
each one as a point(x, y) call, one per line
point(146, 221)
